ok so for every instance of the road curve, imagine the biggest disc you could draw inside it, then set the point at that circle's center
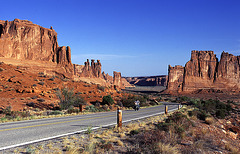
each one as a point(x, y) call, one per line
point(25, 132)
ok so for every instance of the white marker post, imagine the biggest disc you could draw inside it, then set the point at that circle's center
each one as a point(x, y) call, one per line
point(119, 117)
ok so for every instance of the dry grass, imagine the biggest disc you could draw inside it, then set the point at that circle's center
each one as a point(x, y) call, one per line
point(232, 149)
point(166, 148)
point(209, 120)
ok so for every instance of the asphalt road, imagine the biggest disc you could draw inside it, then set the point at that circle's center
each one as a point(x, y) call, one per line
point(25, 132)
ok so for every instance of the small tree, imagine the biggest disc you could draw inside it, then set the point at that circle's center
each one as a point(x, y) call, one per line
point(107, 100)
point(68, 99)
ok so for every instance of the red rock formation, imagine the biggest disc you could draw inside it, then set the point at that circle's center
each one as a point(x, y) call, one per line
point(204, 71)
point(200, 71)
point(228, 71)
point(21, 39)
point(175, 78)
point(117, 79)
point(30, 44)
point(93, 71)
point(107, 77)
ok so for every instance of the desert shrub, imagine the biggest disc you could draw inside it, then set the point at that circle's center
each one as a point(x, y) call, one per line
point(52, 78)
point(102, 88)
point(166, 148)
point(68, 98)
point(107, 100)
point(31, 104)
point(72, 110)
point(105, 107)
point(56, 112)
point(120, 104)
point(7, 110)
point(202, 115)
point(147, 141)
point(130, 99)
point(41, 83)
point(41, 100)
point(97, 105)
point(209, 120)
point(134, 132)
point(91, 108)
point(177, 123)
point(184, 98)
point(213, 107)
point(221, 113)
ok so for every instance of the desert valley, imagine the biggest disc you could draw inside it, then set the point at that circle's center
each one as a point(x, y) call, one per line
point(35, 72)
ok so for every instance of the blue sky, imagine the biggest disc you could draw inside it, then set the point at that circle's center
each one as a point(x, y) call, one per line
point(135, 37)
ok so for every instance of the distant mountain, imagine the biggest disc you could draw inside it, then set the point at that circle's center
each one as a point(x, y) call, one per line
point(160, 80)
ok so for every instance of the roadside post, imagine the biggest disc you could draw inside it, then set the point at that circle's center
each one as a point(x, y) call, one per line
point(119, 117)
point(166, 109)
point(81, 107)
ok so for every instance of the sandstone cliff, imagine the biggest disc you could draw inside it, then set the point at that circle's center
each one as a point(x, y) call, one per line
point(204, 71)
point(21, 39)
point(36, 48)
point(175, 77)
point(87, 70)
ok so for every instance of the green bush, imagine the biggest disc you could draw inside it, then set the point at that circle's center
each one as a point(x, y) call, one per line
point(221, 113)
point(91, 108)
point(213, 107)
point(130, 99)
point(55, 112)
point(178, 123)
point(107, 100)
point(102, 88)
point(68, 98)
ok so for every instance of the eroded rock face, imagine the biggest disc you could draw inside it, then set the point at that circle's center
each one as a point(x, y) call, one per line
point(117, 79)
point(175, 77)
point(200, 71)
point(21, 39)
point(87, 70)
point(36, 48)
point(228, 71)
point(204, 71)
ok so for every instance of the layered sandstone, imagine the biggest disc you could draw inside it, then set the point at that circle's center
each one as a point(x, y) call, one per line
point(175, 77)
point(87, 70)
point(229, 70)
point(36, 48)
point(21, 39)
point(200, 71)
point(204, 71)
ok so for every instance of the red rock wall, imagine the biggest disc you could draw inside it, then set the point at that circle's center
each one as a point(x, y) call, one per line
point(200, 71)
point(204, 71)
point(92, 71)
point(175, 78)
point(21, 39)
point(228, 71)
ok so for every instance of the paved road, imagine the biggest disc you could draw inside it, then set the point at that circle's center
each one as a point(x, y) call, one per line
point(24, 132)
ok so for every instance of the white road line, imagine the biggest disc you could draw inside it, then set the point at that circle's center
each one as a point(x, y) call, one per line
point(57, 136)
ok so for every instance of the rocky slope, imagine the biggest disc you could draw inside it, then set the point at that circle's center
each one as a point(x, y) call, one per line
point(29, 45)
point(204, 71)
